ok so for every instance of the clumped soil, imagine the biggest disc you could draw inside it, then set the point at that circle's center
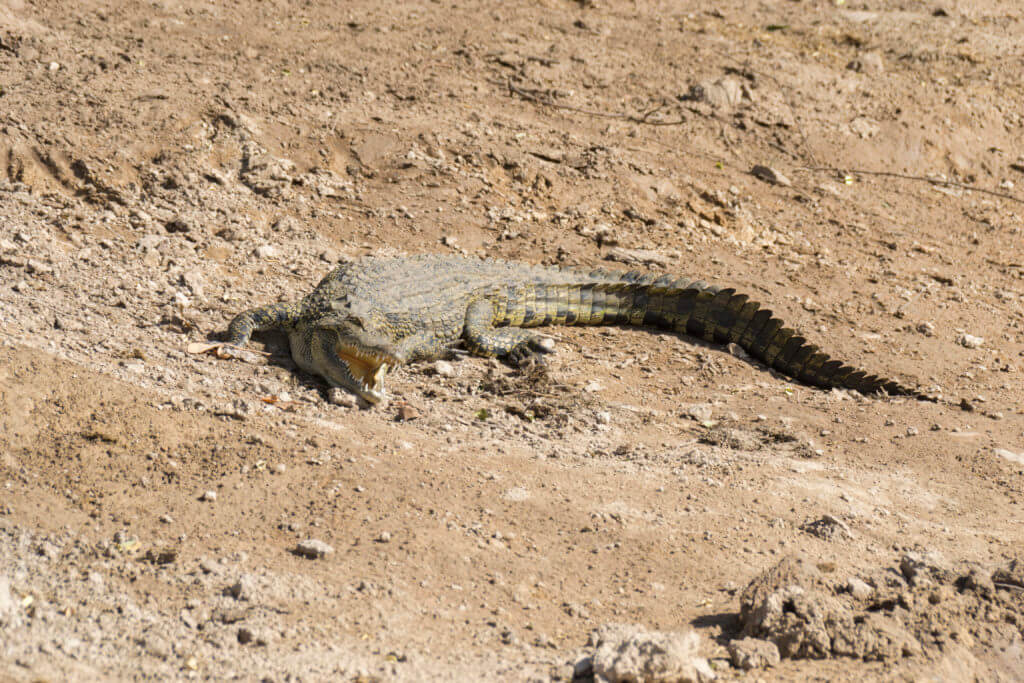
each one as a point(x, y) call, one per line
point(164, 165)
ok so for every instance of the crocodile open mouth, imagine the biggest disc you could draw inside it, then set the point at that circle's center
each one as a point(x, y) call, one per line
point(367, 370)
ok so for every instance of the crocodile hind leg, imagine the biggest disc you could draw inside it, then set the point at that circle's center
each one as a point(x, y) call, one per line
point(484, 339)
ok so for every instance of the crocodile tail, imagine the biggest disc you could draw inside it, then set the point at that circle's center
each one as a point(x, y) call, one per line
point(708, 312)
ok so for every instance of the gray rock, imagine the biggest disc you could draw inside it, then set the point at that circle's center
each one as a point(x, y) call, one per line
point(627, 653)
point(924, 569)
point(243, 589)
point(754, 653)
point(701, 412)
point(340, 397)
point(444, 368)
point(859, 589)
point(313, 549)
point(828, 528)
point(265, 251)
point(969, 341)
point(770, 175)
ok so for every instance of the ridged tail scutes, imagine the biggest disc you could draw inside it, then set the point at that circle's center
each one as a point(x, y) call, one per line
point(707, 312)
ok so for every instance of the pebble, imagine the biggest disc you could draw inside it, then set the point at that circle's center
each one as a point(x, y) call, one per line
point(243, 589)
point(313, 549)
point(926, 328)
point(177, 224)
point(384, 537)
point(969, 341)
point(407, 412)
point(339, 397)
point(1009, 455)
point(209, 566)
point(444, 368)
point(208, 496)
point(157, 647)
point(859, 589)
point(701, 412)
point(828, 528)
point(239, 409)
point(753, 653)
point(770, 175)
point(245, 635)
point(265, 251)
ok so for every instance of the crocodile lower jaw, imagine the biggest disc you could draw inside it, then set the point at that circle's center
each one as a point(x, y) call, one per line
point(367, 370)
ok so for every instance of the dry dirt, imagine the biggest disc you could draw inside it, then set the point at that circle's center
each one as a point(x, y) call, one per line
point(166, 164)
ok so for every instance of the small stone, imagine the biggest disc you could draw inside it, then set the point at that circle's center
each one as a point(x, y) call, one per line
point(754, 653)
point(444, 368)
point(770, 175)
point(313, 549)
point(243, 589)
point(209, 566)
point(828, 528)
point(701, 412)
point(980, 581)
point(238, 409)
point(339, 397)
point(925, 569)
point(926, 328)
point(969, 341)
point(603, 417)
point(911, 431)
point(280, 468)
point(1009, 455)
point(631, 653)
point(859, 589)
point(166, 519)
point(208, 496)
point(177, 224)
point(265, 251)
point(245, 635)
point(157, 647)
point(583, 669)
point(384, 537)
point(232, 615)
point(54, 66)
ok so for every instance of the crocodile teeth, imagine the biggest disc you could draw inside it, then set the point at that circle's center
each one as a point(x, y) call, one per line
point(379, 374)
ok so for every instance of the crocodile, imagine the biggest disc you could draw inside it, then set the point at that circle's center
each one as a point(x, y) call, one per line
point(375, 313)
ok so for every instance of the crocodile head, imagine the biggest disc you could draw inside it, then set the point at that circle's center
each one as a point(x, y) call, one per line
point(348, 352)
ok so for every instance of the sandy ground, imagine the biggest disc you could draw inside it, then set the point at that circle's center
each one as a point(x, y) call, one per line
point(164, 165)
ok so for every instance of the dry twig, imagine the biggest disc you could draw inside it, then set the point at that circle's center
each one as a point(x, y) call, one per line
point(904, 176)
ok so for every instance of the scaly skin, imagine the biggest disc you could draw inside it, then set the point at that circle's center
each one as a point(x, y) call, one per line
point(376, 313)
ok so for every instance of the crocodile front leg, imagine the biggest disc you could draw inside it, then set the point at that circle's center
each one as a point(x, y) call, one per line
point(263, 318)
